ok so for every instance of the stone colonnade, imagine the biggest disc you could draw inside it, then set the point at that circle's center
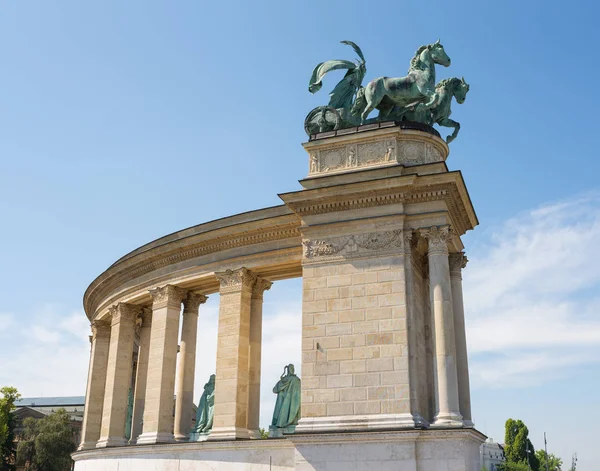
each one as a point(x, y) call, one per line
point(153, 331)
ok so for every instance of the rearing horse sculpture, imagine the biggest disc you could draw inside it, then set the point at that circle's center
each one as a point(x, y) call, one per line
point(384, 93)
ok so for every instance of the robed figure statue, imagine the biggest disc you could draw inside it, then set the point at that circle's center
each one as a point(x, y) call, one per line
point(287, 407)
point(205, 412)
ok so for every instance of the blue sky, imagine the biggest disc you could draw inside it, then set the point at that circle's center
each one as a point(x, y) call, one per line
point(124, 121)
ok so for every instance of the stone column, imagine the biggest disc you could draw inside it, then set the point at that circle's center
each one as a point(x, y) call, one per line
point(118, 375)
point(416, 402)
point(94, 396)
point(256, 310)
point(233, 348)
point(440, 293)
point(458, 261)
point(141, 376)
point(160, 388)
point(186, 366)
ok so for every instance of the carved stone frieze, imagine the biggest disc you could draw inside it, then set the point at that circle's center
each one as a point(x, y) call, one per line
point(383, 150)
point(437, 238)
point(168, 294)
point(457, 262)
point(235, 280)
point(192, 302)
point(353, 246)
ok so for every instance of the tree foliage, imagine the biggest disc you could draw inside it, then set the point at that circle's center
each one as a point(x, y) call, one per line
point(47, 443)
point(7, 427)
point(554, 462)
point(517, 445)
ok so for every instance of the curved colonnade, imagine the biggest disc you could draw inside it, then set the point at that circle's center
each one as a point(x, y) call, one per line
point(375, 236)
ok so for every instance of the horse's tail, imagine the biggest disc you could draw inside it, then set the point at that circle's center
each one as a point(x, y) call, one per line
point(360, 102)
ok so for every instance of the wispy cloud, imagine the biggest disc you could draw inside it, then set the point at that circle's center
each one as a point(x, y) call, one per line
point(531, 294)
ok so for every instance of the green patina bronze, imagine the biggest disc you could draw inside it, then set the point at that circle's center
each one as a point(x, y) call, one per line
point(287, 406)
point(205, 412)
point(415, 97)
point(128, 422)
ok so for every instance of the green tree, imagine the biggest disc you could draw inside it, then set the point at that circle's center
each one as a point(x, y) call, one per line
point(47, 443)
point(554, 462)
point(517, 446)
point(263, 433)
point(7, 427)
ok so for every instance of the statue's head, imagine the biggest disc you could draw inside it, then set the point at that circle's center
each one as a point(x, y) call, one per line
point(438, 54)
point(291, 369)
point(212, 379)
point(460, 91)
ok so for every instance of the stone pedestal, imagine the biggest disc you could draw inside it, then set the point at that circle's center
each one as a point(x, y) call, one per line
point(376, 281)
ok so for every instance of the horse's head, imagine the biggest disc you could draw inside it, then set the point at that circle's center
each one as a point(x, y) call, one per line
point(438, 54)
point(460, 90)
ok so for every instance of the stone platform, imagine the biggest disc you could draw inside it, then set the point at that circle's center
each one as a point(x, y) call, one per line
point(414, 450)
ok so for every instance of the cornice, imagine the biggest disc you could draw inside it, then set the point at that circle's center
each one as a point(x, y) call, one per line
point(259, 232)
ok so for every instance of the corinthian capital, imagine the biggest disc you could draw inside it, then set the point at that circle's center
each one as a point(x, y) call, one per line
point(192, 302)
point(123, 312)
point(99, 329)
point(235, 280)
point(168, 294)
point(437, 238)
point(457, 262)
point(260, 286)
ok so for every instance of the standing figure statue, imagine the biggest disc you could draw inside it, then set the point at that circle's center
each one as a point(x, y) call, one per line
point(287, 406)
point(128, 422)
point(205, 412)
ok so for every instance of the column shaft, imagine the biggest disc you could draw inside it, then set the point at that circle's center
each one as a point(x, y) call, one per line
point(457, 262)
point(256, 311)
point(186, 366)
point(160, 388)
point(141, 376)
point(233, 348)
point(446, 381)
point(94, 396)
point(118, 375)
point(416, 402)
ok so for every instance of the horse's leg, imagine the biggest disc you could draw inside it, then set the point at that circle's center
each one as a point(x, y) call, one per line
point(384, 111)
point(449, 123)
point(373, 95)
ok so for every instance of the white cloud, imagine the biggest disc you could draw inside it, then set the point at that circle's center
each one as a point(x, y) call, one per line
point(7, 321)
point(531, 294)
point(49, 355)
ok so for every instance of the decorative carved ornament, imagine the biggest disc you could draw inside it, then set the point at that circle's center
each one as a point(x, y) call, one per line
point(235, 280)
point(437, 238)
point(457, 262)
point(371, 153)
point(167, 294)
point(353, 246)
point(260, 286)
point(192, 302)
point(99, 328)
point(124, 312)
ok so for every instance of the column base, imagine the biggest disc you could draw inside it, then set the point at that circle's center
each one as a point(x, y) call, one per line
point(468, 423)
point(254, 434)
point(355, 423)
point(182, 438)
point(86, 446)
point(110, 441)
point(229, 433)
point(447, 420)
point(150, 438)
